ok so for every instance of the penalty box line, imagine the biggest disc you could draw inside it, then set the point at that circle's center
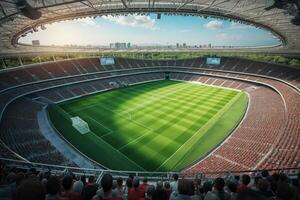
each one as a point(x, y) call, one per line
point(109, 130)
point(126, 118)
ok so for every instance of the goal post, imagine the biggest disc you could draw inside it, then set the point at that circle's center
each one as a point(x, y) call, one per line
point(80, 125)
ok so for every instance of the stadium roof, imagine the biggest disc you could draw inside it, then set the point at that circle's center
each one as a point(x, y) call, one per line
point(14, 23)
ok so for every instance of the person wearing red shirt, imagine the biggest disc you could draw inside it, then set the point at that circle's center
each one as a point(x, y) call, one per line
point(245, 182)
point(136, 193)
point(144, 186)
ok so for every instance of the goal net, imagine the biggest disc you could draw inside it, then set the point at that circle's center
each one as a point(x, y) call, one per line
point(80, 125)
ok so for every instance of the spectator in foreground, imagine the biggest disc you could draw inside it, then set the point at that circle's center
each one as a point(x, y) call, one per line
point(83, 180)
point(245, 182)
point(167, 188)
point(149, 192)
point(67, 184)
point(185, 191)
point(159, 193)
point(250, 195)
point(218, 192)
point(106, 191)
point(263, 188)
point(207, 186)
point(53, 188)
point(174, 184)
point(128, 187)
point(90, 189)
point(119, 189)
point(136, 193)
point(77, 187)
point(30, 189)
point(144, 185)
point(232, 189)
point(284, 192)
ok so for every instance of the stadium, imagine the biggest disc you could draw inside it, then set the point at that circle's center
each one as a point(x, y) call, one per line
point(154, 110)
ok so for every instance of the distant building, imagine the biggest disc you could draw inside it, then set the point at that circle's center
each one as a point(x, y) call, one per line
point(119, 45)
point(209, 45)
point(177, 45)
point(35, 43)
point(184, 45)
point(128, 45)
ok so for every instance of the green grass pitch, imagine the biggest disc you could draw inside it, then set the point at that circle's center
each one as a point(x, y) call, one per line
point(155, 126)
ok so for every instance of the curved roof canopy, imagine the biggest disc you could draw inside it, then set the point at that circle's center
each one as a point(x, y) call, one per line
point(15, 16)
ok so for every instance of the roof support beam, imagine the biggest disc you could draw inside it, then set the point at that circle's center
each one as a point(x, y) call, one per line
point(213, 4)
point(2, 9)
point(185, 3)
point(124, 4)
point(89, 4)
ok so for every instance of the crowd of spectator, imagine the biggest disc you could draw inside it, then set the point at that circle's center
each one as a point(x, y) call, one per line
point(31, 184)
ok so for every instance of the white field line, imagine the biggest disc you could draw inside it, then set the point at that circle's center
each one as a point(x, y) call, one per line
point(125, 117)
point(222, 110)
point(109, 130)
point(119, 152)
point(106, 134)
point(132, 141)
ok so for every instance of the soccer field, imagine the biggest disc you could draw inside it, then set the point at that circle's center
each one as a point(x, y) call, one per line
point(155, 126)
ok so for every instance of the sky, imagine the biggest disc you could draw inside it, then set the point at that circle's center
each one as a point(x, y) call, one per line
point(147, 30)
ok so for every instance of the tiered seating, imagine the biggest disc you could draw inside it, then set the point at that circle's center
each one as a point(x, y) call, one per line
point(268, 137)
point(21, 133)
point(85, 65)
point(65, 68)
point(77, 90)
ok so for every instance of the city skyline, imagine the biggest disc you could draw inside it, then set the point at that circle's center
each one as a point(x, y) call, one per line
point(147, 30)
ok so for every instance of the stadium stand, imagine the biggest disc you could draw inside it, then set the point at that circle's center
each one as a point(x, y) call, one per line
point(262, 141)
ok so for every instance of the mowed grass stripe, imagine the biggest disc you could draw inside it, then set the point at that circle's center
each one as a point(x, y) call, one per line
point(186, 103)
point(213, 136)
point(183, 134)
point(172, 161)
point(119, 97)
point(151, 121)
point(172, 123)
point(196, 110)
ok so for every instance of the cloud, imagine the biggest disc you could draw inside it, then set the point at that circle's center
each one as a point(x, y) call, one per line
point(185, 31)
point(236, 25)
point(214, 24)
point(88, 22)
point(133, 21)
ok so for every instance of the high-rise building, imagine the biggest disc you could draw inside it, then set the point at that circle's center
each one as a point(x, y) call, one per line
point(119, 45)
point(35, 43)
